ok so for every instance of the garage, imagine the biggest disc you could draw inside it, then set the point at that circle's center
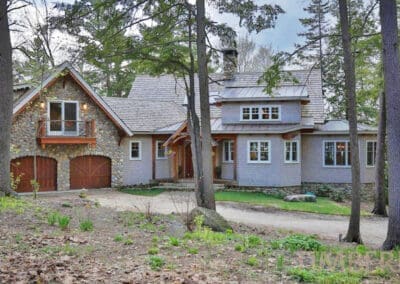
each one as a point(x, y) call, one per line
point(90, 172)
point(46, 172)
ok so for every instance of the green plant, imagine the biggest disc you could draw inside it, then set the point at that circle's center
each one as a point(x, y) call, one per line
point(280, 262)
point(395, 253)
point(155, 239)
point(253, 241)
point(86, 225)
point(382, 272)
point(193, 250)
point(15, 180)
point(36, 186)
point(153, 251)
point(361, 249)
point(63, 221)
point(118, 238)
point(338, 195)
point(13, 204)
point(325, 276)
point(66, 205)
point(240, 247)
point(252, 261)
point(297, 242)
point(156, 262)
point(18, 238)
point(83, 194)
point(52, 218)
point(174, 241)
point(128, 242)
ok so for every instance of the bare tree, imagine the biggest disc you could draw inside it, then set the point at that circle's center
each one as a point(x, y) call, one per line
point(6, 100)
point(252, 58)
point(391, 69)
point(380, 200)
point(353, 232)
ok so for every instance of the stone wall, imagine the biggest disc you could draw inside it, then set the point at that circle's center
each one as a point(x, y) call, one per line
point(24, 128)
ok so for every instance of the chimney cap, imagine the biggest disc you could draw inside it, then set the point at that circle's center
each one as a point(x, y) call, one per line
point(230, 51)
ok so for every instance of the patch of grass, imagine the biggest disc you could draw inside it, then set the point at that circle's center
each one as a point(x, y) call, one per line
point(323, 205)
point(63, 221)
point(156, 262)
point(142, 191)
point(52, 218)
point(193, 250)
point(297, 242)
point(153, 251)
point(325, 276)
point(174, 241)
point(86, 225)
point(118, 238)
point(252, 261)
point(128, 242)
point(129, 218)
point(240, 248)
point(382, 273)
point(13, 204)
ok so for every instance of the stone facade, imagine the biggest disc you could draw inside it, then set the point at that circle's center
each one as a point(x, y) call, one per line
point(24, 129)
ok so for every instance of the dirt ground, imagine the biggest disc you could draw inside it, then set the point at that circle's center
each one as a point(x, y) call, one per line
point(373, 229)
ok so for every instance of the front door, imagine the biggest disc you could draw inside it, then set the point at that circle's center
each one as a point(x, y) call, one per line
point(188, 162)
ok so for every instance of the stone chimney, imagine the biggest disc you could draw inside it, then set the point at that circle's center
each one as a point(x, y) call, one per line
point(230, 56)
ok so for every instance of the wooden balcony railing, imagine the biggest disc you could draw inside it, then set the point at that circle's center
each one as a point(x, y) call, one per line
point(66, 132)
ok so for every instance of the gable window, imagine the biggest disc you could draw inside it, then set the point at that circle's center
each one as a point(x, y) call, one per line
point(371, 153)
point(63, 118)
point(262, 113)
point(291, 151)
point(258, 151)
point(135, 150)
point(228, 151)
point(161, 150)
point(337, 153)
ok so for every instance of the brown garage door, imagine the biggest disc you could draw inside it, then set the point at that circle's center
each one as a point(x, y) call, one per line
point(90, 172)
point(46, 169)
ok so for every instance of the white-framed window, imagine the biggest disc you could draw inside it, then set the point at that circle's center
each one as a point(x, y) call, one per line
point(336, 153)
point(371, 153)
point(292, 153)
point(259, 151)
point(135, 150)
point(161, 151)
point(63, 118)
point(260, 113)
point(228, 151)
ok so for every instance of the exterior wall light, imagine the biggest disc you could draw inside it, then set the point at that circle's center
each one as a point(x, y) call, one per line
point(42, 104)
point(85, 106)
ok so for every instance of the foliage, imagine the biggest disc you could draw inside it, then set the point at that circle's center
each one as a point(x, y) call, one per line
point(297, 242)
point(156, 262)
point(252, 261)
point(86, 225)
point(13, 204)
point(118, 238)
point(36, 186)
point(63, 221)
point(174, 241)
point(52, 218)
point(324, 276)
point(153, 251)
point(338, 195)
point(143, 192)
point(193, 250)
point(15, 181)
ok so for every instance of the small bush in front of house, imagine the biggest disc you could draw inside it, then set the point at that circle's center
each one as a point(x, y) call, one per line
point(63, 221)
point(86, 225)
point(338, 195)
point(297, 242)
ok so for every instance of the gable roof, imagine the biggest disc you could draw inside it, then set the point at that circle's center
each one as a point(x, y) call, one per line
point(22, 102)
point(146, 115)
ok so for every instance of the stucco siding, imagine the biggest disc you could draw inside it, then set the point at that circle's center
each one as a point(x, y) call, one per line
point(277, 173)
point(313, 169)
point(290, 112)
point(137, 171)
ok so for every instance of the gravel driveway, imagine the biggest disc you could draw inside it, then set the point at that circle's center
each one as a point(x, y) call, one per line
point(373, 229)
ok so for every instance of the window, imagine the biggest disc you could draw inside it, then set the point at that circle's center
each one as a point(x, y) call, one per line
point(291, 151)
point(258, 151)
point(228, 151)
point(161, 151)
point(337, 153)
point(371, 153)
point(63, 118)
point(261, 113)
point(135, 150)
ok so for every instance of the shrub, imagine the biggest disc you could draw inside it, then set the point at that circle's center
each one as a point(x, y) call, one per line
point(297, 242)
point(63, 221)
point(52, 218)
point(156, 262)
point(86, 225)
point(338, 195)
point(153, 251)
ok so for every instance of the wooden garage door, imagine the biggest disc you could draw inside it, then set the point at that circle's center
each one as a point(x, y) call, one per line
point(46, 169)
point(90, 172)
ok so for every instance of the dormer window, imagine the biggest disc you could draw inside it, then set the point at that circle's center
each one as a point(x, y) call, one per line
point(260, 113)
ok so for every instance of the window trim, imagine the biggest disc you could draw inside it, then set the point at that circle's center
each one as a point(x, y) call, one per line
point(259, 152)
point(297, 150)
point(231, 143)
point(140, 150)
point(366, 153)
point(165, 151)
point(346, 154)
point(259, 107)
point(62, 102)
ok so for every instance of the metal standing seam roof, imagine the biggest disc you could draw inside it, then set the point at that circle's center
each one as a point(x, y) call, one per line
point(342, 126)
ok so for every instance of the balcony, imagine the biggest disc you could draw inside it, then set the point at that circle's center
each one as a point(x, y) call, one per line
point(66, 132)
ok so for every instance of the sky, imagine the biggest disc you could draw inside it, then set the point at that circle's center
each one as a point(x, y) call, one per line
point(284, 35)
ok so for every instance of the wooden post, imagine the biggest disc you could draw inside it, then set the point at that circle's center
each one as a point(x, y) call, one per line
point(153, 157)
point(93, 129)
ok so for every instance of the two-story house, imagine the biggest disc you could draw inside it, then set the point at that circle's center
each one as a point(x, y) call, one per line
point(68, 137)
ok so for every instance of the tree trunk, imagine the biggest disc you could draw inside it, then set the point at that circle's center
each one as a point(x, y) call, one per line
point(6, 100)
point(380, 200)
point(353, 233)
point(391, 71)
point(206, 149)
